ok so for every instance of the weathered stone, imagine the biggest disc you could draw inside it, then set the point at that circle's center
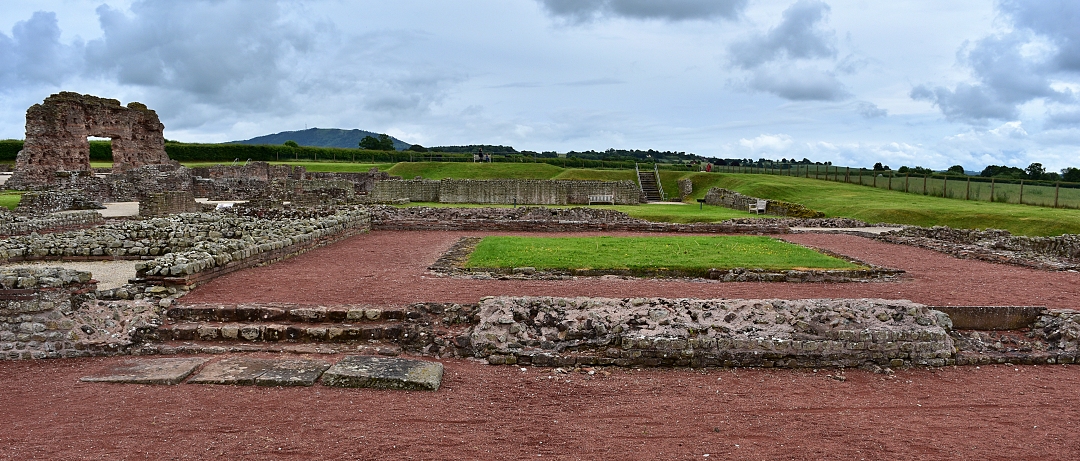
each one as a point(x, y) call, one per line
point(57, 131)
point(148, 371)
point(384, 373)
point(262, 372)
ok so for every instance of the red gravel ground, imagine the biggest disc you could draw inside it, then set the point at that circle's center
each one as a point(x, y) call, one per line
point(391, 268)
point(500, 412)
point(489, 412)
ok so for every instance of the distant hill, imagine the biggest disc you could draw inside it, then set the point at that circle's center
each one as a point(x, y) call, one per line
point(320, 137)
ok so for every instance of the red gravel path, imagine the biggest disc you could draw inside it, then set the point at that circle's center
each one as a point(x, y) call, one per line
point(488, 412)
point(391, 268)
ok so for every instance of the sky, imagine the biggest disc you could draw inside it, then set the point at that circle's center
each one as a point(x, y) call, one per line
point(852, 82)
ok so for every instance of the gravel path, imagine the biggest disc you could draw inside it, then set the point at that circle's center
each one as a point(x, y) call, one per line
point(391, 268)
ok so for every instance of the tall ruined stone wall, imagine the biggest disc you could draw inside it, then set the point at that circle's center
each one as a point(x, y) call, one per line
point(505, 191)
point(57, 131)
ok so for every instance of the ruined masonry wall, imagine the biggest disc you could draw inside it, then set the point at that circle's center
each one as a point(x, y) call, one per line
point(37, 308)
point(546, 331)
point(167, 203)
point(505, 191)
point(189, 248)
point(736, 201)
point(21, 225)
point(58, 128)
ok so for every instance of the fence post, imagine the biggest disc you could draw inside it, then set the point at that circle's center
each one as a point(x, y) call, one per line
point(924, 184)
point(991, 190)
point(890, 182)
point(967, 195)
point(860, 176)
point(1021, 191)
point(907, 178)
point(875, 178)
point(847, 173)
point(1057, 187)
point(945, 186)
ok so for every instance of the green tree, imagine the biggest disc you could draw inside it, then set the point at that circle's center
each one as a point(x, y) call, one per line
point(1035, 171)
point(1070, 174)
point(958, 169)
point(417, 148)
point(383, 142)
point(291, 143)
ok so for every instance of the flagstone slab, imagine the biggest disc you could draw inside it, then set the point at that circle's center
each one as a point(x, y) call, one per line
point(384, 373)
point(292, 373)
point(170, 371)
point(240, 371)
point(246, 371)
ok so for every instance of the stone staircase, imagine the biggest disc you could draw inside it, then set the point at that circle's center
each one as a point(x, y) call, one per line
point(419, 328)
point(649, 188)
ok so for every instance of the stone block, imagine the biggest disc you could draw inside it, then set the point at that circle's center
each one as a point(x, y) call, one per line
point(262, 372)
point(148, 371)
point(384, 373)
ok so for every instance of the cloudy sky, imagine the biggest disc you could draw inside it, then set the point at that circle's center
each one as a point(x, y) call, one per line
point(910, 82)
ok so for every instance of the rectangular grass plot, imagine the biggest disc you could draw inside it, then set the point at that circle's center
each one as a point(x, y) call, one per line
point(687, 254)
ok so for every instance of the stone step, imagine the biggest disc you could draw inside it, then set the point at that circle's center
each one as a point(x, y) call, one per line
point(390, 331)
point(290, 313)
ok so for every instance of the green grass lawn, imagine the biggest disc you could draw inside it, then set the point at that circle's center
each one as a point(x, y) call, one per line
point(692, 254)
point(9, 199)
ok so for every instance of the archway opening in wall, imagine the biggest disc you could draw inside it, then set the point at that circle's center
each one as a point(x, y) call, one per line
point(100, 153)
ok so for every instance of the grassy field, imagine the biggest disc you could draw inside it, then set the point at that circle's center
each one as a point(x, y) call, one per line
point(879, 205)
point(634, 253)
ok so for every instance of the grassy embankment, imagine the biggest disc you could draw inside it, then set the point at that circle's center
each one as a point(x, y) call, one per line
point(686, 254)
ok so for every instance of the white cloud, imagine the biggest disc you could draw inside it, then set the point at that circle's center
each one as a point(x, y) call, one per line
point(767, 143)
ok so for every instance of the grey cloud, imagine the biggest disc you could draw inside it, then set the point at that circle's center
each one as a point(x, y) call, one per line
point(798, 36)
point(231, 52)
point(799, 84)
point(1067, 119)
point(579, 11)
point(1056, 20)
point(870, 110)
point(774, 58)
point(407, 93)
point(1007, 73)
point(33, 55)
point(971, 103)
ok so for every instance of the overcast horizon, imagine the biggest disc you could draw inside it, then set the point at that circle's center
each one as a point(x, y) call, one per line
point(915, 83)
